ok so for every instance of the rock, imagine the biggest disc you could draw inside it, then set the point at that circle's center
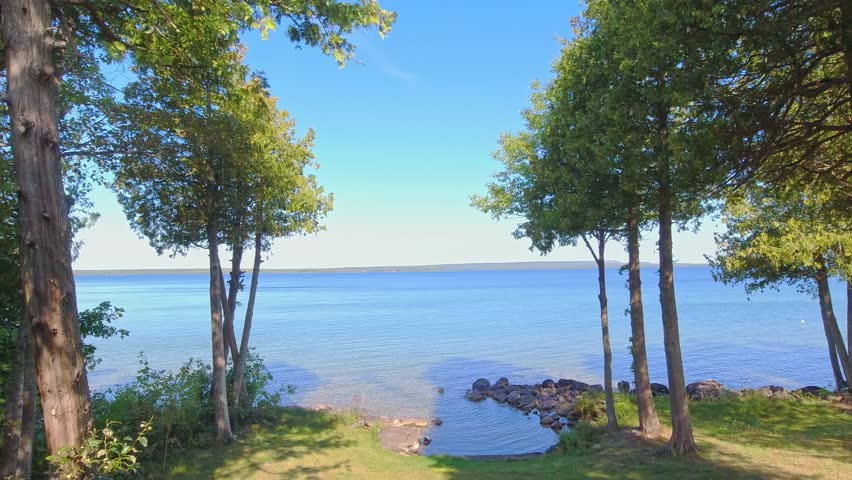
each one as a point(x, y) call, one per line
point(499, 395)
point(513, 397)
point(658, 389)
point(705, 390)
point(402, 439)
point(441, 390)
point(782, 395)
point(624, 386)
point(548, 383)
point(437, 421)
point(370, 420)
point(426, 440)
point(527, 402)
point(596, 446)
point(502, 382)
point(573, 384)
point(596, 387)
point(410, 422)
point(481, 385)
point(475, 396)
point(764, 391)
point(546, 421)
point(813, 391)
point(321, 407)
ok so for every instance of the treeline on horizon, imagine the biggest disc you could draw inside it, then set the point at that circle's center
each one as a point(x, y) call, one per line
point(662, 113)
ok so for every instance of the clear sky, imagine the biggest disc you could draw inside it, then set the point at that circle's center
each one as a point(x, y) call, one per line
point(403, 139)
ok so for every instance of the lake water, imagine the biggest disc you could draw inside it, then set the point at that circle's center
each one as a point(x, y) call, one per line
point(387, 341)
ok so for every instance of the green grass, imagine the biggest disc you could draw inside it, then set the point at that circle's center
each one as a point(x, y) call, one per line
point(751, 437)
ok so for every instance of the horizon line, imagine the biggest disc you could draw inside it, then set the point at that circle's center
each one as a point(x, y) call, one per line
point(440, 267)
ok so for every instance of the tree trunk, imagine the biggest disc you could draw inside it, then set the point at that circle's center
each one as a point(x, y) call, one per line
point(230, 337)
point(611, 421)
point(649, 423)
point(220, 393)
point(832, 330)
point(28, 416)
point(832, 357)
point(14, 407)
point(231, 299)
point(240, 363)
point(682, 440)
point(849, 318)
point(48, 281)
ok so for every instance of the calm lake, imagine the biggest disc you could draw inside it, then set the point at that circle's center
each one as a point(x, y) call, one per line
point(387, 341)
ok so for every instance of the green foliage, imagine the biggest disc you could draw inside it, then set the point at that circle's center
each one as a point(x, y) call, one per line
point(180, 404)
point(262, 404)
point(782, 234)
point(581, 435)
point(97, 323)
point(590, 406)
point(102, 455)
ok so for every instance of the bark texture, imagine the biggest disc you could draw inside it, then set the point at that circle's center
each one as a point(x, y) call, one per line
point(832, 330)
point(649, 423)
point(29, 396)
point(240, 362)
point(220, 392)
point(48, 281)
point(611, 421)
point(14, 408)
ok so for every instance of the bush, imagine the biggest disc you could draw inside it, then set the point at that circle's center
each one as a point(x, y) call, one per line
point(180, 404)
point(581, 435)
point(261, 404)
point(590, 406)
point(103, 455)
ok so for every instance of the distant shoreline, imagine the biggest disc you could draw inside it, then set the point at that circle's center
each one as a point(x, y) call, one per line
point(449, 267)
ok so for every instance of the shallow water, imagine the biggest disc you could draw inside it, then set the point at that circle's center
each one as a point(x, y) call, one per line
point(387, 341)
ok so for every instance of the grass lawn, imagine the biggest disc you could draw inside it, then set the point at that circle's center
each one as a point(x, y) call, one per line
point(739, 438)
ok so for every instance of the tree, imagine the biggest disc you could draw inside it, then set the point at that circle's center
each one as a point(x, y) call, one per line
point(559, 185)
point(276, 198)
point(792, 235)
point(33, 30)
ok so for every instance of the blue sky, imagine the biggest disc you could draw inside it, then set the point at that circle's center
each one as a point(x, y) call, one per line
point(404, 137)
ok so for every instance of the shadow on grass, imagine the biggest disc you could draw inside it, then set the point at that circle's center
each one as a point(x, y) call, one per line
point(276, 451)
point(816, 426)
point(619, 457)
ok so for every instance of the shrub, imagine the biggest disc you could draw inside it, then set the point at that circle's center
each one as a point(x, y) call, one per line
point(180, 404)
point(581, 435)
point(103, 455)
point(590, 406)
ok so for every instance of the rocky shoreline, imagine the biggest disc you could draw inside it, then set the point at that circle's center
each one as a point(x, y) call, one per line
point(554, 401)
